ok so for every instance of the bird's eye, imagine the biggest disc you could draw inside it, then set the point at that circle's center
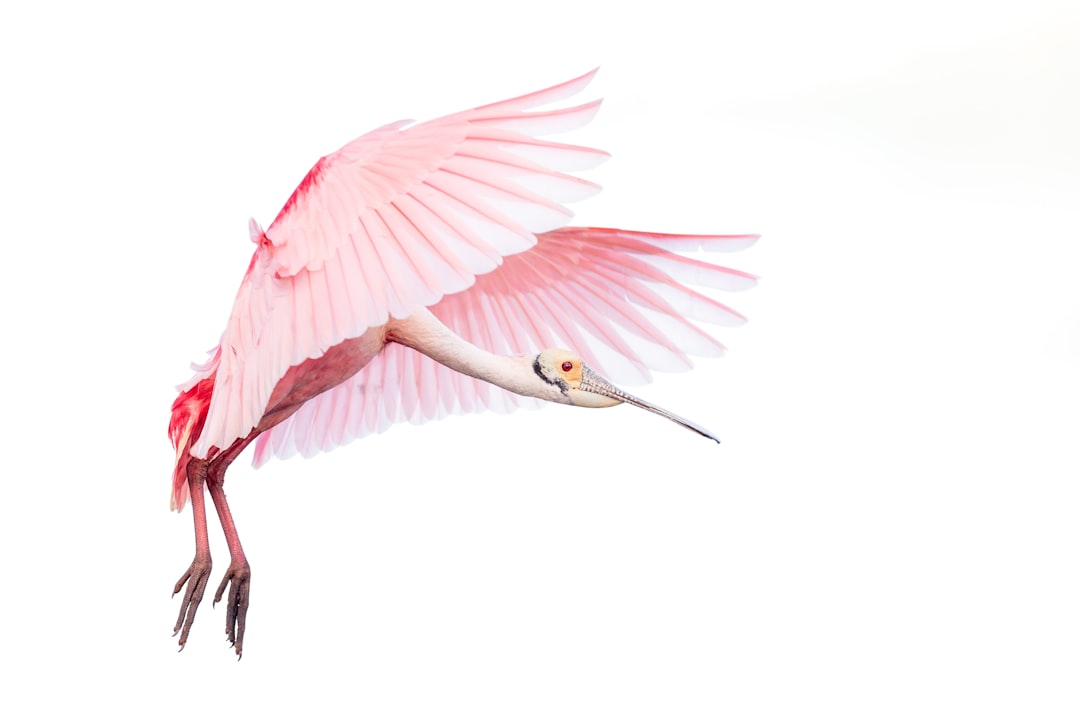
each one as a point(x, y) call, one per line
point(567, 366)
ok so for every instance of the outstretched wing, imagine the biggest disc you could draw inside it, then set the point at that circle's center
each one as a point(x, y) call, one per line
point(618, 297)
point(395, 220)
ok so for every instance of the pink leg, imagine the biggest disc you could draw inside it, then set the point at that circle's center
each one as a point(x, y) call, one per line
point(238, 575)
point(199, 571)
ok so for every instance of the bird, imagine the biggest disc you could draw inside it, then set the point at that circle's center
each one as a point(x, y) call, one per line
point(427, 269)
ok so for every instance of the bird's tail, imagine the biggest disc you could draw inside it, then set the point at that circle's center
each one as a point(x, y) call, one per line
point(188, 416)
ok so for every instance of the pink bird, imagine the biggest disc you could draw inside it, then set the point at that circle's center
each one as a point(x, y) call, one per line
point(419, 271)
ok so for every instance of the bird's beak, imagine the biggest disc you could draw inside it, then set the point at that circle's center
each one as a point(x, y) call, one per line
point(595, 391)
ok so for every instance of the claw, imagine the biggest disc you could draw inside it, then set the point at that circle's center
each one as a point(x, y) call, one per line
point(237, 580)
point(195, 578)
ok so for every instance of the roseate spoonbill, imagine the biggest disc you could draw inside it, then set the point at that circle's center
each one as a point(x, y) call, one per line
point(419, 271)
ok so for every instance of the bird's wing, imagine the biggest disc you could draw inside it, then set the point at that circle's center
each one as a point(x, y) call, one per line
point(618, 297)
point(393, 221)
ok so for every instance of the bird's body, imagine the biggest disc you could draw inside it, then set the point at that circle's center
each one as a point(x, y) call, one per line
point(418, 272)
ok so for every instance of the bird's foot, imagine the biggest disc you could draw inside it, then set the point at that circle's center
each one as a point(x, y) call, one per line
point(239, 577)
point(195, 578)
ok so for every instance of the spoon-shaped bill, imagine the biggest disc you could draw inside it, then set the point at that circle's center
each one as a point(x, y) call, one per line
point(594, 383)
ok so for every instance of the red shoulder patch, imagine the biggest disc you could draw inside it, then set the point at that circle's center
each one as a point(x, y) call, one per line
point(310, 182)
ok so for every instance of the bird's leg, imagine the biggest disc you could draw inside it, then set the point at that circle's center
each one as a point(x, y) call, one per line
point(199, 571)
point(238, 576)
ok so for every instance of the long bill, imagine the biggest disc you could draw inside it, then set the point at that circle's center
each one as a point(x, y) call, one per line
point(592, 382)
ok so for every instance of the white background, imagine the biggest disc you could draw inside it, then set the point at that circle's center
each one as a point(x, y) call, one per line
point(889, 528)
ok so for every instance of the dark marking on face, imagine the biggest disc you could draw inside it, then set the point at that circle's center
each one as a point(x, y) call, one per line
point(556, 381)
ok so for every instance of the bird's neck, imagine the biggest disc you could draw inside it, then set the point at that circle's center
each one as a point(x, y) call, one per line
point(423, 332)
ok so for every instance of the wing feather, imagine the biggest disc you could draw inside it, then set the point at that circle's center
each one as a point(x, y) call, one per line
point(621, 298)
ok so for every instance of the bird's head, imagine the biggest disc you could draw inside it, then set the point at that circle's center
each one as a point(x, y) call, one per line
point(580, 386)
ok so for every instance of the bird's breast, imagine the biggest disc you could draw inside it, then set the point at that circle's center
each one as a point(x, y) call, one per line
point(312, 377)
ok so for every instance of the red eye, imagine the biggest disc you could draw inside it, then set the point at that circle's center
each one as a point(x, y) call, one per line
point(567, 366)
